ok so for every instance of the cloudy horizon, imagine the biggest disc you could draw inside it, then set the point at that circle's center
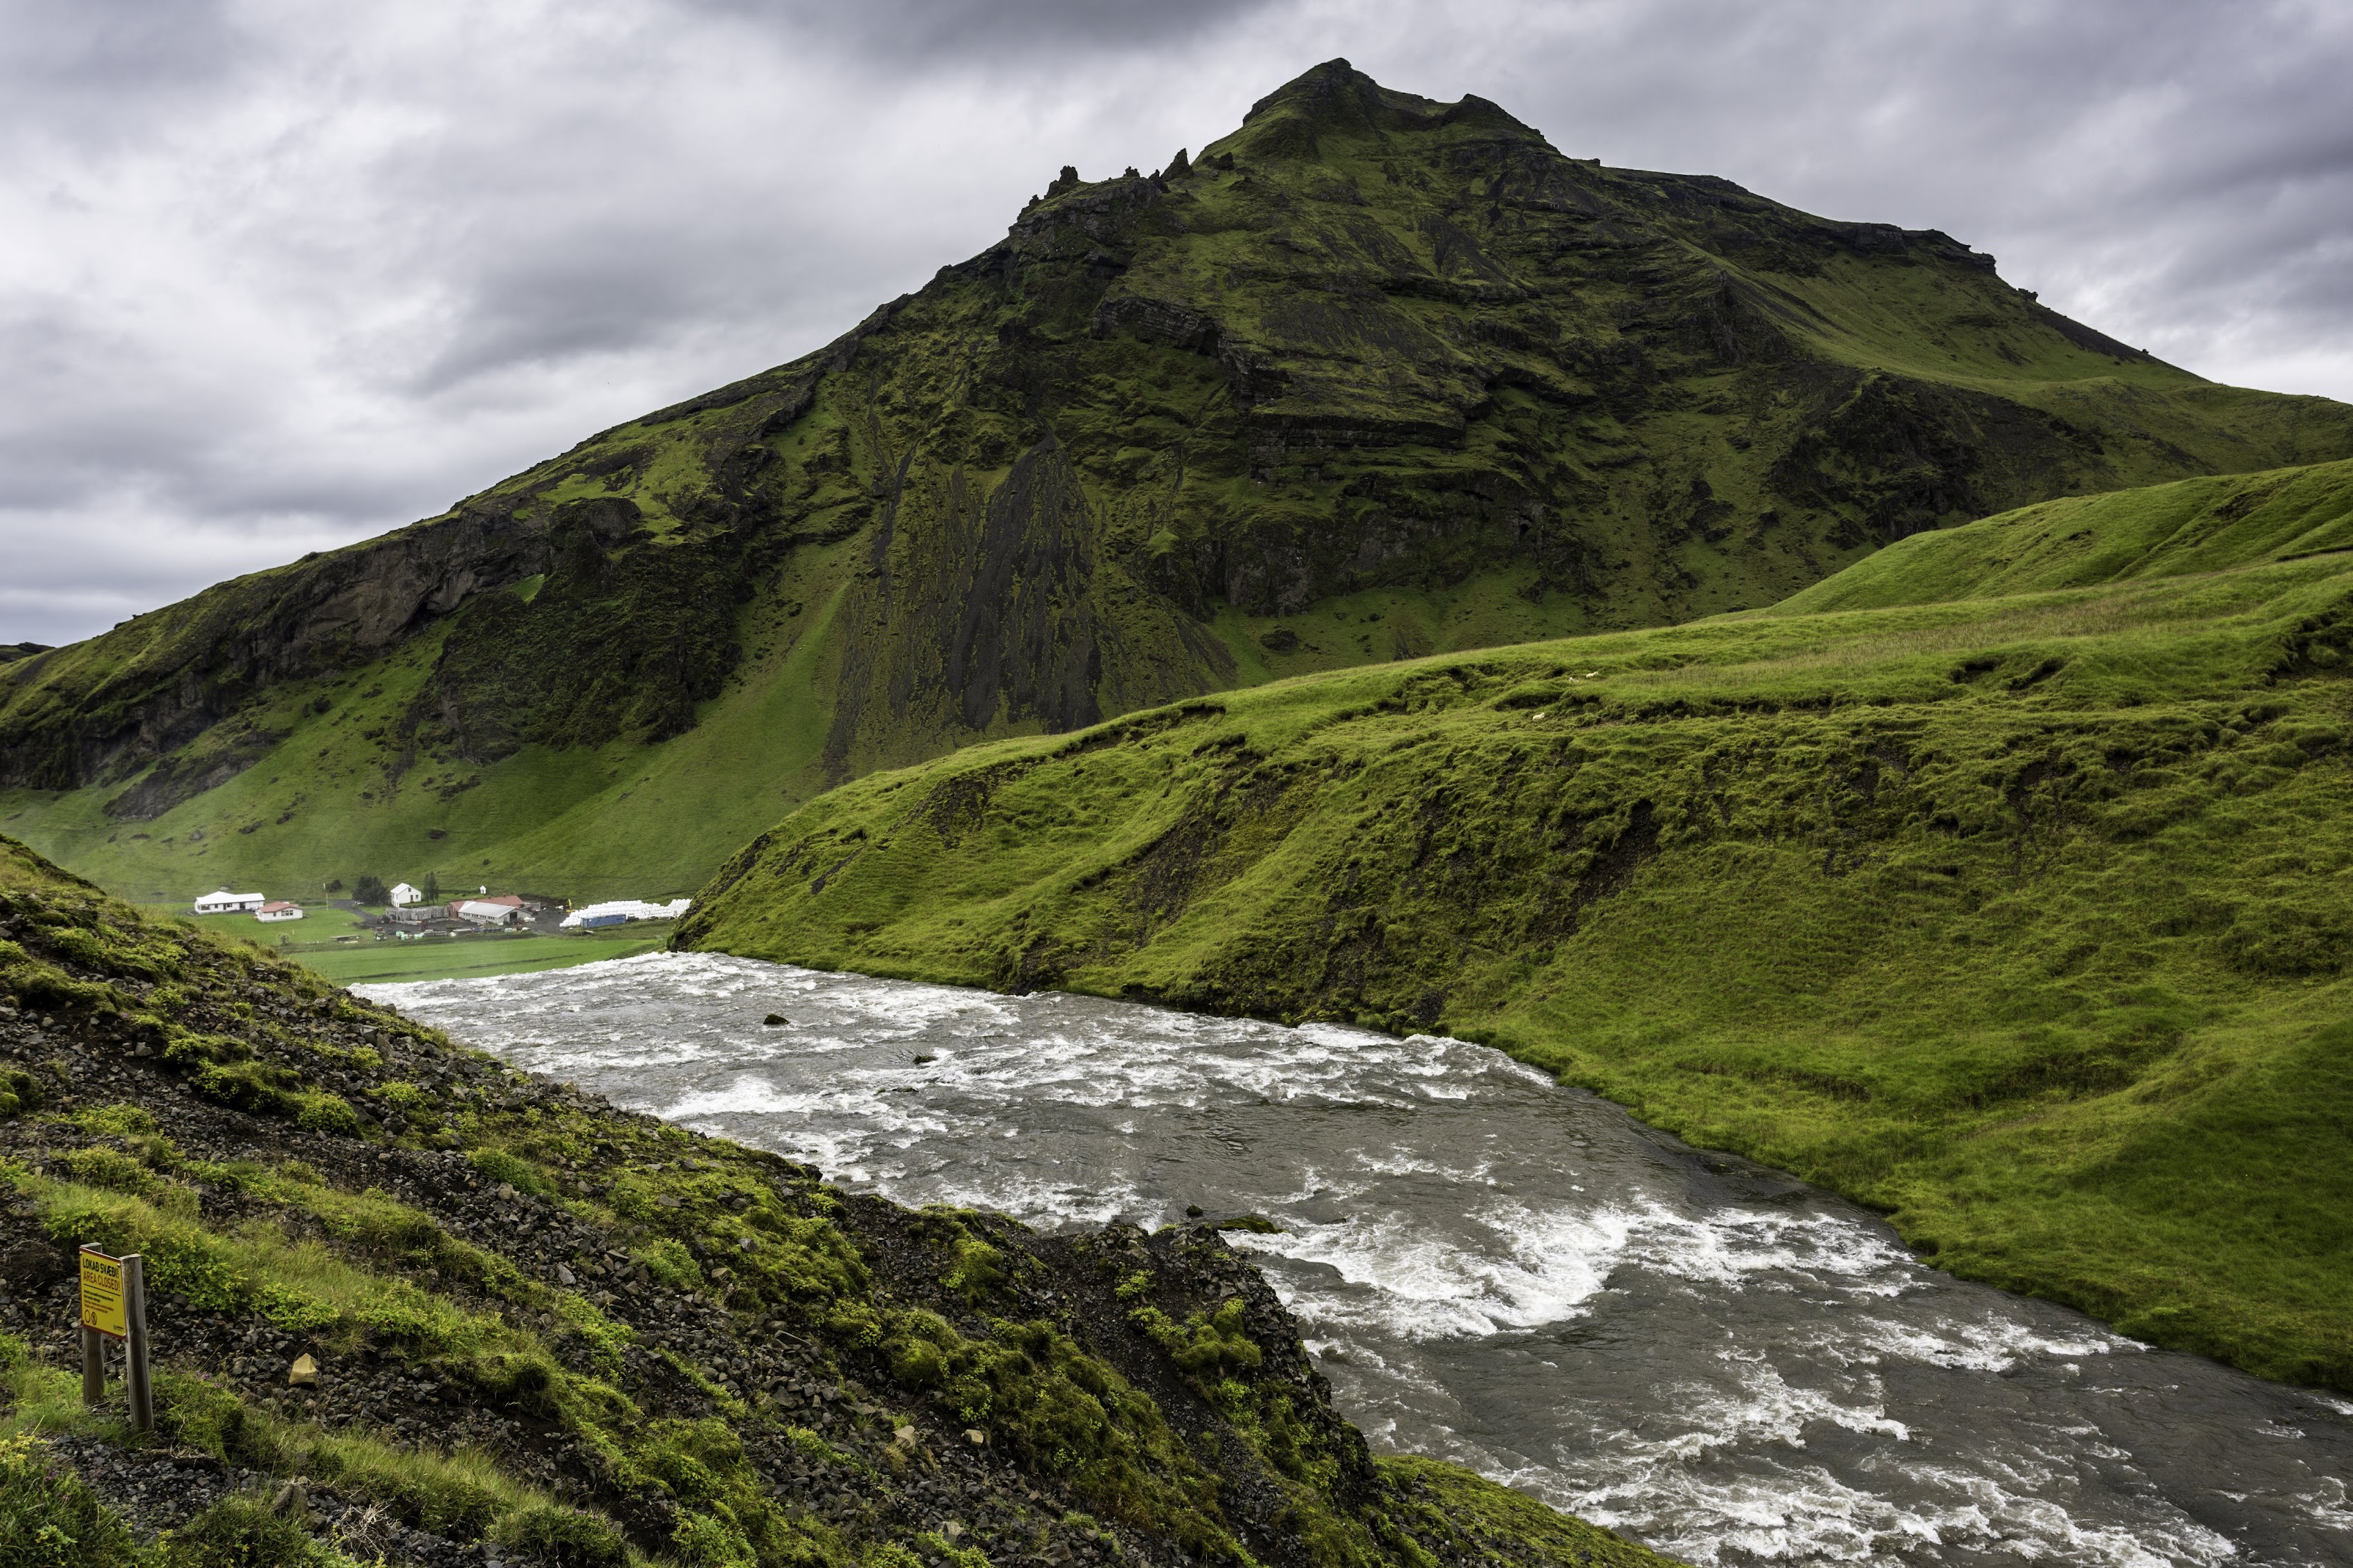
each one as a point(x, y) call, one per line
point(277, 277)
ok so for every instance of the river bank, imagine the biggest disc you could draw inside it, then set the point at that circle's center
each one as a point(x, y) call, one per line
point(540, 1328)
point(2023, 921)
point(1489, 1266)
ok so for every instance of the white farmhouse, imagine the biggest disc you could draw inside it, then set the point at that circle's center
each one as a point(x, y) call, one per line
point(280, 911)
point(227, 903)
point(404, 895)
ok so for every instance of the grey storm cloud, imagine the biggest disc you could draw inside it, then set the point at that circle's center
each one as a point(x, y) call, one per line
point(276, 275)
point(903, 30)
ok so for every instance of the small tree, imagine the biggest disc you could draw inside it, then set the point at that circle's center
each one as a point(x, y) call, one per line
point(369, 890)
point(432, 888)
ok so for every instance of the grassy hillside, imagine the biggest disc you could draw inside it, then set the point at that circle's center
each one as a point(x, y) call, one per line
point(2025, 919)
point(473, 957)
point(2162, 531)
point(589, 1338)
point(321, 779)
point(1372, 378)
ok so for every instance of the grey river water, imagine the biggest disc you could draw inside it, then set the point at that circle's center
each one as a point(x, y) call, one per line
point(1733, 1367)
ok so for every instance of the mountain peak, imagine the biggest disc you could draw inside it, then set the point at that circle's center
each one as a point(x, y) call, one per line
point(1320, 87)
point(1336, 98)
point(1374, 376)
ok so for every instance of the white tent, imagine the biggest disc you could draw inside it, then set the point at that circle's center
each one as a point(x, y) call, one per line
point(590, 916)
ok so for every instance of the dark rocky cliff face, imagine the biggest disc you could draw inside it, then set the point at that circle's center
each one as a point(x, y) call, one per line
point(168, 677)
point(1366, 343)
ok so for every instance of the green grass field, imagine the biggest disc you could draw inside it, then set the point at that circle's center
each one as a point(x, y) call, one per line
point(473, 957)
point(2025, 919)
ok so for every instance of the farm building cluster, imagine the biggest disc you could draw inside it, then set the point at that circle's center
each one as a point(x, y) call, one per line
point(482, 908)
point(408, 912)
point(261, 906)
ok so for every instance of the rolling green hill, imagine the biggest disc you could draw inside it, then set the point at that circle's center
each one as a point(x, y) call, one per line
point(1373, 377)
point(2163, 530)
point(2024, 917)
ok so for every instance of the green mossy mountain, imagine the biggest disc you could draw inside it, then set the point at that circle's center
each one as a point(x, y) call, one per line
point(1370, 359)
point(2003, 882)
point(593, 1338)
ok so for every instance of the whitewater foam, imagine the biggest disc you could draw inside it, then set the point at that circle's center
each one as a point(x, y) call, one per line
point(1489, 1268)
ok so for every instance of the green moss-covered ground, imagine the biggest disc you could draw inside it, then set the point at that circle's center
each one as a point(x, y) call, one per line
point(591, 1339)
point(2024, 919)
point(463, 958)
point(337, 790)
point(1373, 377)
point(2183, 528)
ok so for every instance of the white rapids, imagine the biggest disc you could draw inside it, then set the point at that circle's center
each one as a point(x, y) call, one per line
point(1708, 1357)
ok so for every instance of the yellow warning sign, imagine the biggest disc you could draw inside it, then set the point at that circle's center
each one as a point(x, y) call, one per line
point(101, 1294)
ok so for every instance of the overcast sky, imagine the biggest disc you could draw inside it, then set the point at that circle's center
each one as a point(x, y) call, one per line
point(279, 273)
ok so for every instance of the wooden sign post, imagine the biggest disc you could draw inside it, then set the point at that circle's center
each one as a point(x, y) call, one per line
point(114, 1307)
point(134, 1342)
point(103, 1318)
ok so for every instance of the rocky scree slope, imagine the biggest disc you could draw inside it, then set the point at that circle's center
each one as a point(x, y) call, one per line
point(1372, 377)
point(2025, 919)
point(548, 1331)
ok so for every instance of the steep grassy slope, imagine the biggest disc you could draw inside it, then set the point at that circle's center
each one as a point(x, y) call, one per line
point(1374, 377)
point(587, 1336)
point(2025, 919)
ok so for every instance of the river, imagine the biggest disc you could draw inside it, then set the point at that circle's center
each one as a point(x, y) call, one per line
point(1710, 1357)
